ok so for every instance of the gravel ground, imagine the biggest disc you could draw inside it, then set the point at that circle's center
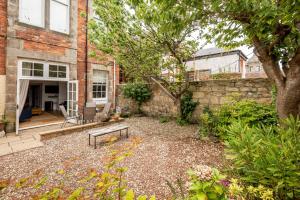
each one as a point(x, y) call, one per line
point(165, 153)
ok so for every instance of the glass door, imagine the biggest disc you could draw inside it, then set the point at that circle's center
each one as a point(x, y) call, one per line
point(73, 98)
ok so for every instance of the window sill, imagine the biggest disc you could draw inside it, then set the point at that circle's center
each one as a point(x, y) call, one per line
point(42, 27)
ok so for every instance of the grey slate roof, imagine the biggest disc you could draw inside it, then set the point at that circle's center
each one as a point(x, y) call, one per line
point(214, 51)
point(209, 51)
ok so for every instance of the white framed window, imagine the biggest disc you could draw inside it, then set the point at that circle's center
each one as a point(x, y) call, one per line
point(100, 84)
point(60, 15)
point(32, 69)
point(57, 71)
point(32, 12)
point(40, 70)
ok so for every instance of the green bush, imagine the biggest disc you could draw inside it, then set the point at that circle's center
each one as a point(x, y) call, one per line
point(187, 107)
point(164, 119)
point(267, 155)
point(139, 92)
point(216, 122)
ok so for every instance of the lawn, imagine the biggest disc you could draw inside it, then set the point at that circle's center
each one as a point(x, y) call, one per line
point(166, 152)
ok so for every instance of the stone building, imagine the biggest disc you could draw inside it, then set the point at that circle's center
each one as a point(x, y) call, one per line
point(44, 59)
point(254, 68)
point(214, 61)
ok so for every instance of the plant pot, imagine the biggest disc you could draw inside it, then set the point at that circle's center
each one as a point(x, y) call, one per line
point(2, 134)
point(2, 125)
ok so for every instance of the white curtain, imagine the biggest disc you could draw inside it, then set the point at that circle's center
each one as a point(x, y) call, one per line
point(24, 84)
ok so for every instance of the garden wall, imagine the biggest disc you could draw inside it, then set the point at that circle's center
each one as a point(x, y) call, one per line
point(212, 93)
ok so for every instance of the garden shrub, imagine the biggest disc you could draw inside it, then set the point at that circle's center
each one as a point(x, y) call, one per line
point(206, 183)
point(164, 119)
point(139, 92)
point(187, 107)
point(250, 112)
point(267, 155)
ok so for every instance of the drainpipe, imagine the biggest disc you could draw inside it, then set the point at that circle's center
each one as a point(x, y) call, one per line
point(86, 51)
point(114, 97)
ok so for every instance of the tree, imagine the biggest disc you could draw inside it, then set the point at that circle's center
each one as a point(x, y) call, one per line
point(147, 39)
point(272, 27)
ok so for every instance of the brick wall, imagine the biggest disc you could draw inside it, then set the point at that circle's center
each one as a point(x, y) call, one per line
point(81, 52)
point(3, 30)
point(212, 93)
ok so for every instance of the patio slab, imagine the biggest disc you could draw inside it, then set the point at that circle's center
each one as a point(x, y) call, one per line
point(15, 143)
point(5, 149)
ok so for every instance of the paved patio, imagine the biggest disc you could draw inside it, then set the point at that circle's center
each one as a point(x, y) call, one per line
point(13, 143)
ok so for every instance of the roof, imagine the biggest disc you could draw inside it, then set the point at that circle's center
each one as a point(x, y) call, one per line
point(253, 59)
point(217, 52)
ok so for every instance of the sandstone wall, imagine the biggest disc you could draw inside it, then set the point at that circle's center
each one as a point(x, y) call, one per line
point(212, 93)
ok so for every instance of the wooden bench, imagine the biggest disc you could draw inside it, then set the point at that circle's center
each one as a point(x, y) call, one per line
point(103, 131)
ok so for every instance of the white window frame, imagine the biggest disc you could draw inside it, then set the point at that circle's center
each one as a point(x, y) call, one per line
point(68, 16)
point(21, 19)
point(45, 71)
point(101, 100)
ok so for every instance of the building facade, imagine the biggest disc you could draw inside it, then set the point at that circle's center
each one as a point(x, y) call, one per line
point(213, 61)
point(44, 58)
point(254, 68)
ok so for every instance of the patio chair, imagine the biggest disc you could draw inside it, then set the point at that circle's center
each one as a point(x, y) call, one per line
point(89, 114)
point(104, 115)
point(67, 117)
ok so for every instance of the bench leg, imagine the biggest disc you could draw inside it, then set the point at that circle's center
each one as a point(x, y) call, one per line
point(89, 139)
point(127, 133)
point(95, 143)
point(120, 133)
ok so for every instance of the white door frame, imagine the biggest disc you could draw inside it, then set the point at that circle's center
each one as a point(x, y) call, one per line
point(70, 100)
point(17, 106)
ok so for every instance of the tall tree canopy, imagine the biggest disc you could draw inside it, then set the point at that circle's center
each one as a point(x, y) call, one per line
point(272, 27)
point(147, 38)
point(150, 36)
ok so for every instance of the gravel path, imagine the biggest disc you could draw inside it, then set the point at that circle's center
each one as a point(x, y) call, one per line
point(165, 153)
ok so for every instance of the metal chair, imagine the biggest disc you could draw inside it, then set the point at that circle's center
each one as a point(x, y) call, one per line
point(67, 117)
point(104, 115)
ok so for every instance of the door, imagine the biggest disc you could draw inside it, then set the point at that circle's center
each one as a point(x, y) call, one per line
point(72, 98)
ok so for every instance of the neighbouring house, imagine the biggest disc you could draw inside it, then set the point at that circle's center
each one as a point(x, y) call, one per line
point(44, 59)
point(215, 60)
point(254, 68)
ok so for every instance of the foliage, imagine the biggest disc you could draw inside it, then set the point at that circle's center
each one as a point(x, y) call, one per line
point(226, 76)
point(248, 111)
point(206, 183)
point(187, 107)
point(164, 119)
point(139, 92)
point(107, 185)
point(267, 155)
point(4, 121)
point(146, 38)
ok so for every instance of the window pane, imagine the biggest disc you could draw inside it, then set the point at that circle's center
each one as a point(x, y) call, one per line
point(59, 17)
point(26, 72)
point(53, 68)
point(32, 12)
point(62, 75)
point(62, 68)
point(94, 95)
point(38, 66)
point(53, 74)
point(38, 73)
point(27, 65)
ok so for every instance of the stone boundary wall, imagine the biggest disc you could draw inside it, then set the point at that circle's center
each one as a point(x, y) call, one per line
point(212, 93)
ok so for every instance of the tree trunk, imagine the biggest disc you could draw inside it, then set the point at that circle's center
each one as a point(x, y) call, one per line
point(288, 96)
point(287, 81)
